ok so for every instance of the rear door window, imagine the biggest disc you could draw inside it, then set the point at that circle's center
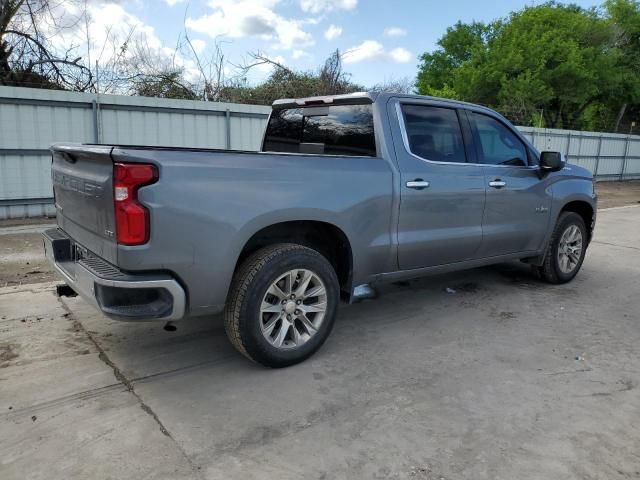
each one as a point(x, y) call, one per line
point(330, 130)
point(434, 133)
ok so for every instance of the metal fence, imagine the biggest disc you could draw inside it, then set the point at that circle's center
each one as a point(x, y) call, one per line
point(32, 119)
point(609, 156)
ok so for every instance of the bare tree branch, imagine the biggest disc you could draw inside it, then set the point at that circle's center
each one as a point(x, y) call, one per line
point(27, 54)
point(260, 58)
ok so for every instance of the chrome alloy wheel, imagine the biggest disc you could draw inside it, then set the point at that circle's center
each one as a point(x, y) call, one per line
point(293, 308)
point(570, 249)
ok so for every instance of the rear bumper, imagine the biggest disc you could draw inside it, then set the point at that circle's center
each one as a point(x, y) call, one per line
point(119, 295)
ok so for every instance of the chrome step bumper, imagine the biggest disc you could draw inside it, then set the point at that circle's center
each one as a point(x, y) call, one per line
point(119, 295)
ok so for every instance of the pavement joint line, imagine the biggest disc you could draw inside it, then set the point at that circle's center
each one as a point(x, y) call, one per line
point(615, 245)
point(95, 392)
point(85, 395)
point(102, 355)
point(167, 373)
point(622, 207)
point(570, 372)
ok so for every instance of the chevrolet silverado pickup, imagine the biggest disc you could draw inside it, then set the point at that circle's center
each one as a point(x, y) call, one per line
point(348, 191)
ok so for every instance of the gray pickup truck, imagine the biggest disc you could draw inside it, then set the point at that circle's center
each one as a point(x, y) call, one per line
point(347, 192)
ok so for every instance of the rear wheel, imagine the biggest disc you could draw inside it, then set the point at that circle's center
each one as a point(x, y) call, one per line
point(566, 249)
point(282, 304)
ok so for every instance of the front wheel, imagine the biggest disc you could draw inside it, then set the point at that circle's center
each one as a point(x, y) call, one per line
point(566, 249)
point(282, 305)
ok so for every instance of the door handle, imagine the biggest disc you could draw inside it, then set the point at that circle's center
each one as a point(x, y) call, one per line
point(418, 184)
point(498, 183)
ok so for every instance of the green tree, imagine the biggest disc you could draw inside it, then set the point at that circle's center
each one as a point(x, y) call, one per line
point(169, 84)
point(441, 73)
point(556, 60)
point(624, 18)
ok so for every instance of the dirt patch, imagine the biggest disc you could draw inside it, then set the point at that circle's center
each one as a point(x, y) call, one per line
point(22, 260)
point(504, 316)
point(466, 287)
point(516, 274)
point(618, 194)
point(15, 222)
point(8, 352)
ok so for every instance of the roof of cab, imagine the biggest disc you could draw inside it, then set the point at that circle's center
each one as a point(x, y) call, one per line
point(362, 97)
point(347, 98)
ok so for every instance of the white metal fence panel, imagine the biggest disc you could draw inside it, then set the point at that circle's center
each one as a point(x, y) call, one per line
point(31, 120)
point(246, 132)
point(609, 156)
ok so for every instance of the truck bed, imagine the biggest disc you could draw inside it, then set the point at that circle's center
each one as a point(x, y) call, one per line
point(207, 203)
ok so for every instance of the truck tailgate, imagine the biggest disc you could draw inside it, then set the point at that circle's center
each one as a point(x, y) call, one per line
point(83, 190)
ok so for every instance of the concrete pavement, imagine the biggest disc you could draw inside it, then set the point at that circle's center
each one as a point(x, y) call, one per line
point(505, 378)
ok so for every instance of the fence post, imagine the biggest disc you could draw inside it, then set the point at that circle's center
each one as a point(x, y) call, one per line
point(566, 155)
point(533, 137)
point(595, 174)
point(626, 154)
point(228, 128)
point(96, 134)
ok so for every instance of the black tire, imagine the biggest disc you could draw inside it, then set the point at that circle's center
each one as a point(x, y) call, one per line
point(550, 270)
point(249, 286)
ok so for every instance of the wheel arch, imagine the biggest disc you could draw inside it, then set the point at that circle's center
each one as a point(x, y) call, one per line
point(585, 210)
point(581, 205)
point(326, 238)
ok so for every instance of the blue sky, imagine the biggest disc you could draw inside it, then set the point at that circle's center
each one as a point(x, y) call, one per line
point(381, 39)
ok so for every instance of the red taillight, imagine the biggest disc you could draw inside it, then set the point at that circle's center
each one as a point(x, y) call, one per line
point(132, 218)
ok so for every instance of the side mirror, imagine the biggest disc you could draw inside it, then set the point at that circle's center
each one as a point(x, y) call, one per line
point(551, 161)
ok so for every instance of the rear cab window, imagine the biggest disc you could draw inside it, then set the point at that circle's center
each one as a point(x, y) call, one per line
point(325, 130)
point(434, 133)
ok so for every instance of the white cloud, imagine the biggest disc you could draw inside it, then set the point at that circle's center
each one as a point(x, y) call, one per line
point(400, 55)
point(171, 3)
point(198, 45)
point(317, 6)
point(312, 20)
point(251, 18)
point(266, 68)
point(367, 50)
point(394, 32)
point(110, 28)
point(371, 50)
point(332, 32)
point(297, 54)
